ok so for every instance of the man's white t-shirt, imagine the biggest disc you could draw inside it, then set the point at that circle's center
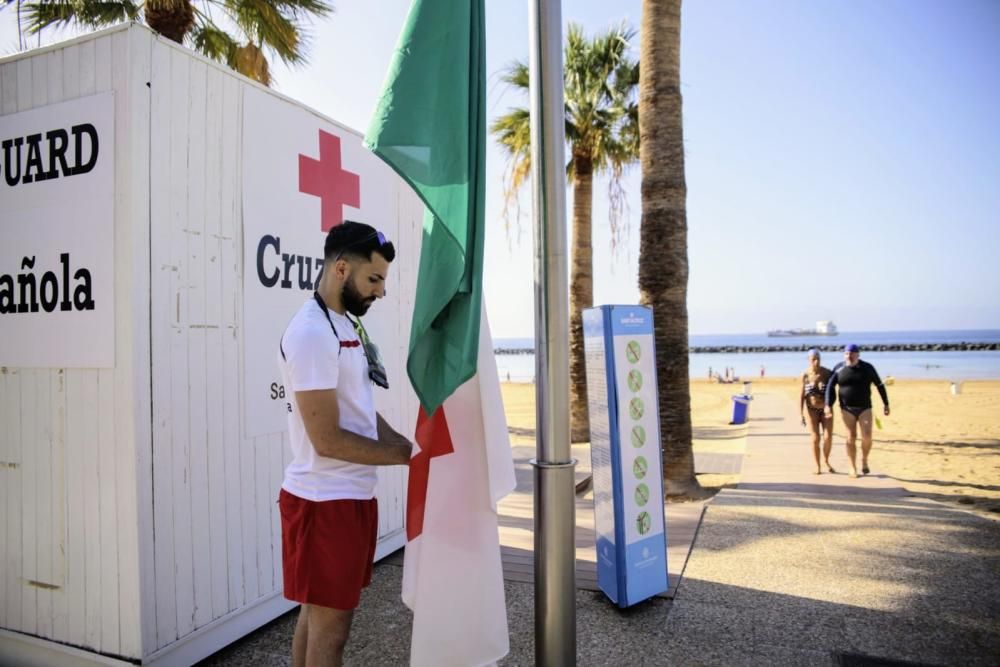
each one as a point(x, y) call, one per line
point(316, 358)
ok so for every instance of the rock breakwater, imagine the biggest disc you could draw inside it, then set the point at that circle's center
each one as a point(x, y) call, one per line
point(882, 347)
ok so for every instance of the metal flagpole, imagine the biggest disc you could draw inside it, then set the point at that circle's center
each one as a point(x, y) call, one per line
point(555, 511)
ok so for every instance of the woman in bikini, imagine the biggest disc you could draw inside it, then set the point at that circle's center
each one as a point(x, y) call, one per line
point(812, 404)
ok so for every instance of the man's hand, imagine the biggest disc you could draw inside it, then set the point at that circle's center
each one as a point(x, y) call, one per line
point(390, 436)
point(803, 415)
point(828, 412)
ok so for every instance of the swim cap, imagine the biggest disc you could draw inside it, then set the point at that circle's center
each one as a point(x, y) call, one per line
point(851, 347)
point(813, 352)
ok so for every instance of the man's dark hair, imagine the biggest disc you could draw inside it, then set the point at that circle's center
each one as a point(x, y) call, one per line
point(357, 240)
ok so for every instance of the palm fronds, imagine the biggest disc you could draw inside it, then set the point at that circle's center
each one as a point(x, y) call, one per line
point(602, 131)
point(262, 27)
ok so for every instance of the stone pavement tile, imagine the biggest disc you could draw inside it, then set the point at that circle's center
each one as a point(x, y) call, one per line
point(923, 639)
point(606, 635)
point(260, 659)
point(271, 644)
point(707, 634)
point(969, 617)
point(818, 499)
point(709, 654)
point(783, 656)
point(804, 585)
point(692, 589)
point(270, 639)
point(816, 628)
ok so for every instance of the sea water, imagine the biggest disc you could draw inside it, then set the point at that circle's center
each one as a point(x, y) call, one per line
point(954, 366)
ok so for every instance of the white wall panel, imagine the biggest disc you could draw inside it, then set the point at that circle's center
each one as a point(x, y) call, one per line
point(212, 235)
point(10, 449)
point(13, 473)
point(229, 303)
point(164, 309)
point(130, 64)
point(81, 402)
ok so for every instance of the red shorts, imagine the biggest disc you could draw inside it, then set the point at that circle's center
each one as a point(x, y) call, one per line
point(327, 548)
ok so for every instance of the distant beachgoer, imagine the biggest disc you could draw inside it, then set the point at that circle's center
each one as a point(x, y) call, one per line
point(855, 378)
point(762, 371)
point(710, 373)
point(811, 405)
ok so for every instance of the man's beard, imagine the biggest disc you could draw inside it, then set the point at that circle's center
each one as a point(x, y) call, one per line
point(355, 304)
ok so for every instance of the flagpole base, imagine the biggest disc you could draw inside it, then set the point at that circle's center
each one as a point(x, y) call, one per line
point(555, 563)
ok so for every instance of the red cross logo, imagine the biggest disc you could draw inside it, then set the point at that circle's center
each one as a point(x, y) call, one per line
point(326, 179)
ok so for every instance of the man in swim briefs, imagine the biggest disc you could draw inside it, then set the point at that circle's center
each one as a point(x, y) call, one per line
point(812, 405)
point(855, 378)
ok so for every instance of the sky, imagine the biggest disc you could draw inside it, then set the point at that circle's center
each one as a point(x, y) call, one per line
point(842, 157)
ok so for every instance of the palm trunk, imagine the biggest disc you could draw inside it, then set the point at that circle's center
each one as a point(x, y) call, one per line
point(663, 265)
point(581, 294)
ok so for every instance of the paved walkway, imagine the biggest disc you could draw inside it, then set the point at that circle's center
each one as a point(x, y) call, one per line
point(797, 568)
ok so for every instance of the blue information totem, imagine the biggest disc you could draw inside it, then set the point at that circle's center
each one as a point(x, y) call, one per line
point(625, 453)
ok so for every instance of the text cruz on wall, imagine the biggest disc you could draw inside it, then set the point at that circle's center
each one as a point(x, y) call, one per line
point(277, 269)
point(23, 157)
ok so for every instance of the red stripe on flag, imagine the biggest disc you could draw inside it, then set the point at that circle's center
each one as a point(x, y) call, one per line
point(434, 440)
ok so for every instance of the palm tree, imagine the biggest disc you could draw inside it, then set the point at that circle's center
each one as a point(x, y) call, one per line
point(274, 26)
point(663, 265)
point(602, 136)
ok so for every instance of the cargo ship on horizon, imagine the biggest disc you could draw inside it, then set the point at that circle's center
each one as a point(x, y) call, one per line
point(823, 328)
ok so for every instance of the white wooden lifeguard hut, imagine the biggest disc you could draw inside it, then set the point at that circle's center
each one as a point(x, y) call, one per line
point(161, 219)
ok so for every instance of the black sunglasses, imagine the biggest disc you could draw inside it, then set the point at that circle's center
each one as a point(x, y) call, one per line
point(374, 235)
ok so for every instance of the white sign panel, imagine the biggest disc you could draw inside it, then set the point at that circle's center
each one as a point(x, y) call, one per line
point(301, 176)
point(57, 235)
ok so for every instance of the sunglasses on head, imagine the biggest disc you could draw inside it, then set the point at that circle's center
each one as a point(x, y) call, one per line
point(374, 235)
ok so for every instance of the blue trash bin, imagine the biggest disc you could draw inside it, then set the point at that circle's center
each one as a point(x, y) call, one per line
point(741, 408)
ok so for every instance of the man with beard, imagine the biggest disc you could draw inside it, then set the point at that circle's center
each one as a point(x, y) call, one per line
point(329, 516)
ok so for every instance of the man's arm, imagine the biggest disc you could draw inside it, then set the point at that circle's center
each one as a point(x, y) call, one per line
point(881, 390)
point(831, 391)
point(321, 416)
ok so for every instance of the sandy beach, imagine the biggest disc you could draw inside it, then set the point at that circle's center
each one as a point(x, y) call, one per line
point(938, 445)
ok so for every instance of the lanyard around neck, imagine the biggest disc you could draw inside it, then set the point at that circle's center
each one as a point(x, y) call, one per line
point(326, 311)
point(355, 323)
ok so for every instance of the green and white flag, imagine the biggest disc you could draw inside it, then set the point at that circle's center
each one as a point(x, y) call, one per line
point(430, 126)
